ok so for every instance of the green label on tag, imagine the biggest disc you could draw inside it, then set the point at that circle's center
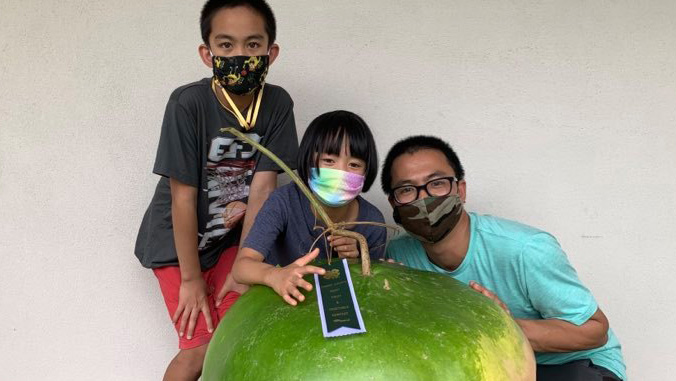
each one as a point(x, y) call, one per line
point(337, 302)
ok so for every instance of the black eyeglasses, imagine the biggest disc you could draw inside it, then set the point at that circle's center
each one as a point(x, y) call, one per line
point(438, 187)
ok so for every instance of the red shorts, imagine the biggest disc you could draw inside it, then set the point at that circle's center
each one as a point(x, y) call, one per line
point(170, 283)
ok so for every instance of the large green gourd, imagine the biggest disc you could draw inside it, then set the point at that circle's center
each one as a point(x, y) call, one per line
point(420, 326)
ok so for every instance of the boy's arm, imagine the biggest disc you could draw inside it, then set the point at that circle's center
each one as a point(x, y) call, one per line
point(262, 185)
point(193, 290)
point(249, 268)
point(284, 143)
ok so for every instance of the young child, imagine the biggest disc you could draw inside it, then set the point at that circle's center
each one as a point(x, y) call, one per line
point(190, 232)
point(337, 159)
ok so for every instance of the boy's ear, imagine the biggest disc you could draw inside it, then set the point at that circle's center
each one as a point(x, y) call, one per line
point(274, 52)
point(205, 55)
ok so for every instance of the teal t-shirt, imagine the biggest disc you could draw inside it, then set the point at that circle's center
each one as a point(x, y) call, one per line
point(529, 272)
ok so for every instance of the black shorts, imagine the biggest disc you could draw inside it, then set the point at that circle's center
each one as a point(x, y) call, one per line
point(580, 370)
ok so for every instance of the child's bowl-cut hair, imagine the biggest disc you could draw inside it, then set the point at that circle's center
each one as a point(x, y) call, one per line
point(212, 6)
point(326, 134)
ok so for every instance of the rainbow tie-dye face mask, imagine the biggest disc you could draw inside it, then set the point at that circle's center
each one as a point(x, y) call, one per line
point(334, 187)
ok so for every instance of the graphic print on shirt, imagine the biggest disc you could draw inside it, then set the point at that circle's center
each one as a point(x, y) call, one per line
point(230, 165)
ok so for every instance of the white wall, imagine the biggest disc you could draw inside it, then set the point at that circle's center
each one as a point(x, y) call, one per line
point(562, 111)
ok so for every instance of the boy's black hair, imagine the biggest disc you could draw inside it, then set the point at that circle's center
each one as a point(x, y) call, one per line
point(414, 144)
point(260, 6)
point(325, 134)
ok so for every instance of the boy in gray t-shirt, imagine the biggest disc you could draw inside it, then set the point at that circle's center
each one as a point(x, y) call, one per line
point(186, 236)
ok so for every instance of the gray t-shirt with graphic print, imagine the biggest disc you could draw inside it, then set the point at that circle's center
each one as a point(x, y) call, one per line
point(194, 151)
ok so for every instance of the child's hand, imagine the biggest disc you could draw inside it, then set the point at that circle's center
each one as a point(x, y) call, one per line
point(233, 213)
point(285, 280)
point(346, 247)
point(192, 300)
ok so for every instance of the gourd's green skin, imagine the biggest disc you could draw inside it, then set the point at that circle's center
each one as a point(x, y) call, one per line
point(427, 326)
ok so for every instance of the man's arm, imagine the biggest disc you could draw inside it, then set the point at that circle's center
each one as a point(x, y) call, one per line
point(193, 291)
point(554, 335)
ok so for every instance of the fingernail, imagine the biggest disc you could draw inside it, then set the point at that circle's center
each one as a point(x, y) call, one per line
point(189, 337)
point(180, 334)
point(211, 330)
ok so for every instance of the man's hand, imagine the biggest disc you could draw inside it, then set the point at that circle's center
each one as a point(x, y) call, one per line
point(192, 299)
point(233, 214)
point(489, 294)
point(390, 260)
point(286, 280)
point(230, 285)
point(346, 247)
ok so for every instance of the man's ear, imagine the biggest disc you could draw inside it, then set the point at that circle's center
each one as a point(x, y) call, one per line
point(462, 190)
point(273, 53)
point(205, 55)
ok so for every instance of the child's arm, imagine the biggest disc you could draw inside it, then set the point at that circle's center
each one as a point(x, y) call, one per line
point(192, 297)
point(249, 268)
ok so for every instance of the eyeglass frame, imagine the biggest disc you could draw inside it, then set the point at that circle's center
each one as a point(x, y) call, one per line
point(424, 186)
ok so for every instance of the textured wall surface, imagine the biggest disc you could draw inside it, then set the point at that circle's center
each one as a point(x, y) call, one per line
point(562, 111)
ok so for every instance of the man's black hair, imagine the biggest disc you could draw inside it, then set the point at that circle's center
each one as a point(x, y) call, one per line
point(326, 133)
point(414, 144)
point(260, 6)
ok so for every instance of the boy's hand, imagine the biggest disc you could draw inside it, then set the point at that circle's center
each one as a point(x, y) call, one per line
point(230, 285)
point(346, 247)
point(233, 214)
point(285, 280)
point(489, 294)
point(192, 299)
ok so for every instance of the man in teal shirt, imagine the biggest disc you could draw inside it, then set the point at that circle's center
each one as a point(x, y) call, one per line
point(526, 269)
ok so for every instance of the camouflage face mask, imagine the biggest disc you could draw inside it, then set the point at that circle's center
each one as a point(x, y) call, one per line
point(430, 219)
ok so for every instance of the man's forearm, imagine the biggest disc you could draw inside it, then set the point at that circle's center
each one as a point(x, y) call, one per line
point(553, 335)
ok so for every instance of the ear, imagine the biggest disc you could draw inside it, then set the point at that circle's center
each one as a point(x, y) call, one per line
point(205, 55)
point(462, 190)
point(274, 52)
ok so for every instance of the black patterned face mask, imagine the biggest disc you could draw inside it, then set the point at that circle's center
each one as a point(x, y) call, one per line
point(240, 74)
